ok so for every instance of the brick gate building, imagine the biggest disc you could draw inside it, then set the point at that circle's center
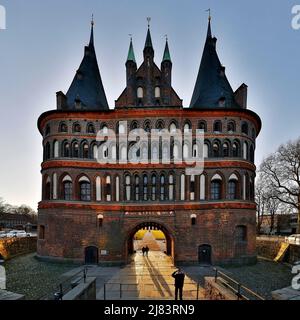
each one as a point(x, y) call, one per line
point(90, 211)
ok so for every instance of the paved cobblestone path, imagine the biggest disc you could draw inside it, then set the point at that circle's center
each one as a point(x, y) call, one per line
point(147, 278)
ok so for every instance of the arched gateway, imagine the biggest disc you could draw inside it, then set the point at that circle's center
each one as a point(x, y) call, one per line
point(103, 203)
point(149, 226)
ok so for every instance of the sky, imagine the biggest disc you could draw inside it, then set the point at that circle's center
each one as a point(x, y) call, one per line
point(43, 43)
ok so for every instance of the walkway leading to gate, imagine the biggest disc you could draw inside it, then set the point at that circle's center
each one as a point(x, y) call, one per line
point(147, 278)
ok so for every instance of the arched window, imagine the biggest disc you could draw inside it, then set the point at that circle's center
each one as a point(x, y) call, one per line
point(147, 126)
point(203, 126)
point(216, 150)
point(63, 127)
point(127, 188)
point(145, 152)
point(218, 126)
point(67, 190)
point(134, 125)
point(66, 149)
point(155, 155)
point(85, 151)
point(145, 187)
point(173, 128)
point(85, 189)
point(75, 150)
point(205, 150)
point(160, 125)
point(157, 92)
point(123, 154)
point(56, 149)
point(140, 93)
point(90, 128)
point(77, 128)
point(245, 150)
point(165, 153)
point(162, 187)
point(187, 127)
point(193, 219)
point(245, 128)
point(216, 188)
point(186, 151)
point(121, 128)
point(47, 151)
point(232, 189)
point(231, 126)
point(104, 129)
point(241, 234)
point(252, 153)
point(48, 189)
point(235, 150)
point(108, 188)
point(225, 150)
point(253, 134)
point(137, 188)
point(171, 187)
point(153, 187)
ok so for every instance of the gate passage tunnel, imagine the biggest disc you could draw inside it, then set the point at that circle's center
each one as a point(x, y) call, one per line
point(153, 235)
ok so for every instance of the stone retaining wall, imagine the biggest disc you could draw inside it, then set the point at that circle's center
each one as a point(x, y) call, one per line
point(13, 247)
point(215, 291)
point(269, 248)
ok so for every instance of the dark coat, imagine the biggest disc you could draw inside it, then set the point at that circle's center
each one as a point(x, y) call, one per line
point(179, 279)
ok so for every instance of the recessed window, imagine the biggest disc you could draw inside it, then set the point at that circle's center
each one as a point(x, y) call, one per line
point(67, 190)
point(90, 128)
point(157, 92)
point(63, 127)
point(216, 187)
point(245, 128)
point(41, 232)
point(218, 126)
point(77, 128)
point(140, 93)
point(232, 189)
point(85, 191)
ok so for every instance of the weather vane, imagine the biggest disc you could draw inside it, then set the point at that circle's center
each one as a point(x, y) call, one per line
point(209, 13)
point(166, 36)
point(92, 20)
point(130, 35)
point(149, 20)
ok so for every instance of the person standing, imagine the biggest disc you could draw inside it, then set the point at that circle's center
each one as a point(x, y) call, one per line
point(179, 283)
point(147, 250)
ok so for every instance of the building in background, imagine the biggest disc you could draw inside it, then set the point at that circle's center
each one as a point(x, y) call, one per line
point(91, 211)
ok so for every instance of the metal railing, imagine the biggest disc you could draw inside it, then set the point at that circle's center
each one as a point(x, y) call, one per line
point(65, 286)
point(117, 290)
point(241, 292)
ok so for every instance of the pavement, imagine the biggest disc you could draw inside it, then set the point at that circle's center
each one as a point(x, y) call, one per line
point(146, 277)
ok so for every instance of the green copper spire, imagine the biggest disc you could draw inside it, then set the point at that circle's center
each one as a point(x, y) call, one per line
point(167, 56)
point(131, 56)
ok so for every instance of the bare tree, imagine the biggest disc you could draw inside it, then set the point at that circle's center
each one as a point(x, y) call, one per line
point(281, 172)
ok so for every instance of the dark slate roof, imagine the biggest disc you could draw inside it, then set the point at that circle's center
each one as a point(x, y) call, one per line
point(212, 84)
point(148, 43)
point(87, 85)
point(167, 56)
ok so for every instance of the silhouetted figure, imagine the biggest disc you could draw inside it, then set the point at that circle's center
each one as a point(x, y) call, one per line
point(179, 283)
point(143, 250)
point(147, 250)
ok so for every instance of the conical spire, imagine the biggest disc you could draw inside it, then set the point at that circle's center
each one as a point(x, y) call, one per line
point(131, 56)
point(92, 32)
point(148, 43)
point(212, 88)
point(86, 91)
point(167, 56)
